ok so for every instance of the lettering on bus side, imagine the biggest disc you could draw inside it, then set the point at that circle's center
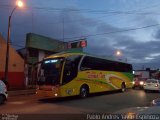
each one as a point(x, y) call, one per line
point(99, 75)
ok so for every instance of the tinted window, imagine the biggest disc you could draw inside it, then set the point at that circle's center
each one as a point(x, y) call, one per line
point(71, 68)
point(92, 63)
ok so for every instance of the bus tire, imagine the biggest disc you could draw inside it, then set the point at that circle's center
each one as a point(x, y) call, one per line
point(146, 91)
point(123, 87)
point(84, 91)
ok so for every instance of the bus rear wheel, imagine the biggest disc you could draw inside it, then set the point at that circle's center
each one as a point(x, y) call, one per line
point(84, 91)
point(123, 87)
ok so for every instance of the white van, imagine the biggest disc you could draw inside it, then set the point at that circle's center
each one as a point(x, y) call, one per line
point(3, 92)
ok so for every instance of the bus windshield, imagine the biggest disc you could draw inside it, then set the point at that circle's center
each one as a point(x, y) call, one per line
point(50, 71)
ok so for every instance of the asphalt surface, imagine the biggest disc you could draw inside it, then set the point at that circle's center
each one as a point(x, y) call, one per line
point(109, 102)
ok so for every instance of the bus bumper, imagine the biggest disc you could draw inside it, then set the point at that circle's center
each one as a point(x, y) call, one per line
point(48, 93)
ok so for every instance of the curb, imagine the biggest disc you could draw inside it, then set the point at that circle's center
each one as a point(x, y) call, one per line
point(21, 92)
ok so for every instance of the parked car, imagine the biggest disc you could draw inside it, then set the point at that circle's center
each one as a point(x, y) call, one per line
point(138, 82)
point(155, 102)
point(152, 85)
point(3, 92)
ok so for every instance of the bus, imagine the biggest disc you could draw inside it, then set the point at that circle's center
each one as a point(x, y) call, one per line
point(70, 74)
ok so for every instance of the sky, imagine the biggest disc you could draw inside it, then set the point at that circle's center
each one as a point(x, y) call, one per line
point(131, 26)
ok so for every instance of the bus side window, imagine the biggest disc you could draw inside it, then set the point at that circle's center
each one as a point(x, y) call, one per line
point(71, 68)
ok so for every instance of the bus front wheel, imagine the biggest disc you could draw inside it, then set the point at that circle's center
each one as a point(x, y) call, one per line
point(84, 91)
point(2, 99)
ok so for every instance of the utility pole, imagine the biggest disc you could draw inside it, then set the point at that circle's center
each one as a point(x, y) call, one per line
point(19, 4)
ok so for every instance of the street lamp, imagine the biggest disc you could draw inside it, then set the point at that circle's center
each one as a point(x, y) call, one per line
point(118, 53)
point(18, 4)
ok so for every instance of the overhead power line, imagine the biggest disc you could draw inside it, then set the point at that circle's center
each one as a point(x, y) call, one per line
point(111, 12)
point(106, 33)
point(113, 32)
point(132, 12)
point(95, 11)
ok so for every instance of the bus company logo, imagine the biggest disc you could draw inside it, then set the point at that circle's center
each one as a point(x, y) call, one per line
point(95, 75)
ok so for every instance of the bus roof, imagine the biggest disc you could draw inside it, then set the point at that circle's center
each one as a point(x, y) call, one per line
point(66, 54)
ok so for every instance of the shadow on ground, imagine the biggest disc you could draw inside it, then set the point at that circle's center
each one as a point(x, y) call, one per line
point(71, 98)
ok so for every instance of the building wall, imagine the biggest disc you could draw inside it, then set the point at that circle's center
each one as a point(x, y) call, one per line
point(41, 57)
point(44, 43)
point(15, 68)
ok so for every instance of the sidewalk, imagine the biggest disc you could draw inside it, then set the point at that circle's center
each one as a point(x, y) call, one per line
point(12, 93)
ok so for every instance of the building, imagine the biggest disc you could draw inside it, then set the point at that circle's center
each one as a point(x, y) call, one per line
point(15, 66)
point(146, 74)
point(142, 74)
point(37, 47)
point(22, 69)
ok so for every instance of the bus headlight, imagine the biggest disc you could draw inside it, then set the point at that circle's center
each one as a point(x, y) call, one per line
point(141, 83)
point(37, 87)
point(56, 94)
point(153, 102)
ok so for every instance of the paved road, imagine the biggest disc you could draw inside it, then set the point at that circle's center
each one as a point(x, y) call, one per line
point(109, 102)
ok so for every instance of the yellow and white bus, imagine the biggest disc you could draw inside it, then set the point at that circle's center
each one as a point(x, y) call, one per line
point(69, 74)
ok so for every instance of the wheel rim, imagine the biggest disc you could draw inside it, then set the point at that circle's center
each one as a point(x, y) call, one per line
point(83, 92)
point(123, 88)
